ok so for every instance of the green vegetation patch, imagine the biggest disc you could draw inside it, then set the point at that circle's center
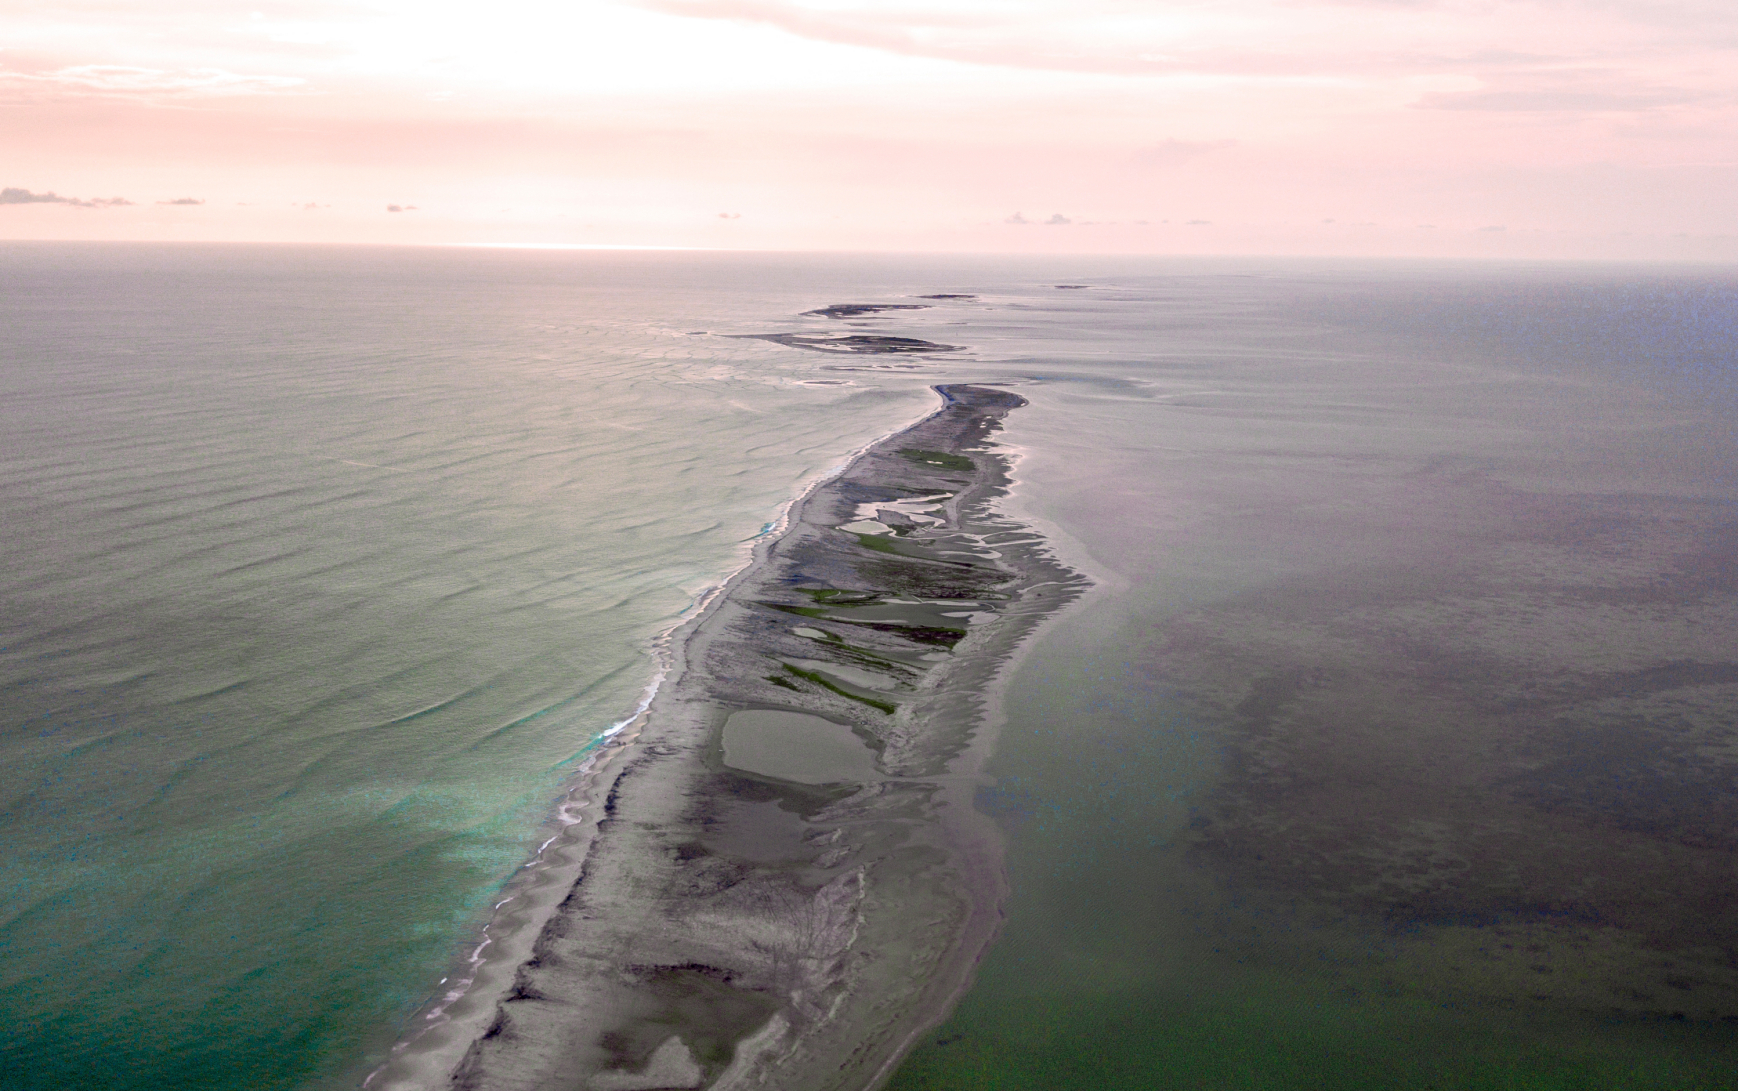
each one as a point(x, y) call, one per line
point(943, 636)
point(876, 542)
point(821, 680)
point(917, 634)
point(870, 659)
point(834, 596)
point(937, 579)
point(800, 611)
point(940, 459)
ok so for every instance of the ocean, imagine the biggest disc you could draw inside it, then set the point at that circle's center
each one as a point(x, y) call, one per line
point(325, 569)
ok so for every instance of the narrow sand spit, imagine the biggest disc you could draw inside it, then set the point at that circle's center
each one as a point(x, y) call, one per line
point(783, 880)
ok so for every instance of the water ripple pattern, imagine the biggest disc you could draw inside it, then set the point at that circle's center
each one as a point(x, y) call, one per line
point(320, 571)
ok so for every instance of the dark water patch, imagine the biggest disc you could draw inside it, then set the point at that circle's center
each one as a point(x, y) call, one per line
point(1231, 1037)
point(1460, 755)
point(865, 344)
point(1546, 820)
point(858, 310)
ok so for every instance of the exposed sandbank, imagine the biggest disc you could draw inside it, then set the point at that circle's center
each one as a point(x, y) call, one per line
point(860, 310)
point(859, 343)
point(758, 907)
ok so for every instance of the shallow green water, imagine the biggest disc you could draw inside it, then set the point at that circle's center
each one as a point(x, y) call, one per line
point(1447, 487)
point(1121, 966)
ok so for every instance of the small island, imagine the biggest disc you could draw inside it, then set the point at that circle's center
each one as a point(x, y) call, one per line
point(785, 880)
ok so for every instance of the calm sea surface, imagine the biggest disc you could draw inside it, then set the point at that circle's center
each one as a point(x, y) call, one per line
point(320, 567)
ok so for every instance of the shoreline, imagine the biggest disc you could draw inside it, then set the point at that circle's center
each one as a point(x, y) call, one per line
point(424, 1056)
point(709, 919)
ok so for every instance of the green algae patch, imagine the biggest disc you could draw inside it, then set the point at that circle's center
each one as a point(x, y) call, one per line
point(800, 611)
point(834, 596)
point(917, 634)
point(940, 459)
point(867, 658)
point(876, 542)
point(821, 680)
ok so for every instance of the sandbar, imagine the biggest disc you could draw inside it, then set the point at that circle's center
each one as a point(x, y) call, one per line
point(785, 881)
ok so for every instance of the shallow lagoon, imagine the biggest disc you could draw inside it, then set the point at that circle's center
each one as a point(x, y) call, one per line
point(1396, 749)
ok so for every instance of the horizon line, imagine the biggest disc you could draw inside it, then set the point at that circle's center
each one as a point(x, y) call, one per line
point(574, 246)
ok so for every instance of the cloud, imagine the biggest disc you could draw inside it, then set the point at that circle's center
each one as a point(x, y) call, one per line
point(1171, 153)
point(1036, 36)
point(1197, 223)
point(401, 208)
point(730, 215)
point(1580, 102)
point(135, 82)
point(1566, 90)
point(14, 196)
point(1493, 227)
point(1016, 218)
point(184, 201)
point(896, 32)
point(1056, 219)
point(1259, 38)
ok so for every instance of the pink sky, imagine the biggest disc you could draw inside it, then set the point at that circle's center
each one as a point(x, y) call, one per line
point(1575, 128)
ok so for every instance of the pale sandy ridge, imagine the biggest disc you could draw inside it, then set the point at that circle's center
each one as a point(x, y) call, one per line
point(721, 927)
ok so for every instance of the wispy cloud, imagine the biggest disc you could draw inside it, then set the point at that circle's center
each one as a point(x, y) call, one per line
point(1021, 35)
point(12, 195)
point(133, 82)
point(1260, 38)
point(648, 120)
point(1557, 101)
point(1563, 89)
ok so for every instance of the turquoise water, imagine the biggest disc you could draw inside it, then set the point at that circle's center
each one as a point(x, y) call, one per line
point(324, 566)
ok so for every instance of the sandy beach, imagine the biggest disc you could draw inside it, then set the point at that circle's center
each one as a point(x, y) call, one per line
point(782, 880)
